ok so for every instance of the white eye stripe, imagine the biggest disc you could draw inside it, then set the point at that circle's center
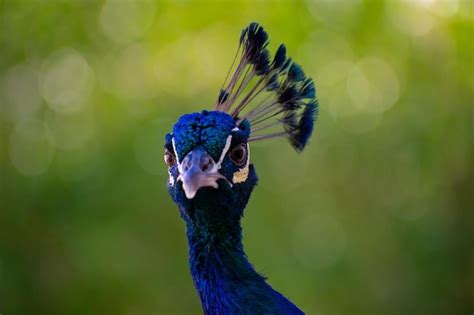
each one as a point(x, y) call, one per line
point(248, 155)
point(225, 150)
point(175, 152)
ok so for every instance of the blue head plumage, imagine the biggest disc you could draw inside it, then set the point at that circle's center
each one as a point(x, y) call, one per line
point(209, 153)
point(209, 129)
point(211, 177)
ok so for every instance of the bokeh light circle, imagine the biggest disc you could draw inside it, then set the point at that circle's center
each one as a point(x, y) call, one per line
point(419, 17)
point(124, 21)
point(315, 55)
point(66, 81)
point(19, 91)
point(372, 85)
point(31, 151)
point(134, 76)
point(69, 131)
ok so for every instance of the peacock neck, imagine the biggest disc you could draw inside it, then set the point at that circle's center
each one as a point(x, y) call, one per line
point(225, 280)
point(219, 267)
point(215, 250)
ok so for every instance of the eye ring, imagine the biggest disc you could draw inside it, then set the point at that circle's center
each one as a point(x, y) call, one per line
point(169, 158)
point(238, 154)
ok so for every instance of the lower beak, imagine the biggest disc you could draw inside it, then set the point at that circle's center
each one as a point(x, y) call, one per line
point(198, 170)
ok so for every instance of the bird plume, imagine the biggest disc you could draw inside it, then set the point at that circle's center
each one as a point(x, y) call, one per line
point(273, 95)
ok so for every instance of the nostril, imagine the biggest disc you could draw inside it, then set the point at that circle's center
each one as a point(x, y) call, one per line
point(185, 165)
point(206, 164)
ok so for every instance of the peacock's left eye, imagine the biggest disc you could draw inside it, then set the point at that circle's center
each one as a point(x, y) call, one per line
point(238, 154)
point(169, 157)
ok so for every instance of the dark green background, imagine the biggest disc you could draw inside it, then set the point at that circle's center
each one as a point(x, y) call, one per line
point(376, 217)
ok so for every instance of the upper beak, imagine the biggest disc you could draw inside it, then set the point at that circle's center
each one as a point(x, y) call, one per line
point(197, 170)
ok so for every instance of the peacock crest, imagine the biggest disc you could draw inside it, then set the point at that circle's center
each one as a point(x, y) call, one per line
point(273, 95)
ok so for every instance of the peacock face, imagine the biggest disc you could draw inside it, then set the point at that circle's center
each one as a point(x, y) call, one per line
point(208, 158)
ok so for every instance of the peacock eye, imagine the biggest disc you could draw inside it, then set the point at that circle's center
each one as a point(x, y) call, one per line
point(169, 157)
point(238, 154)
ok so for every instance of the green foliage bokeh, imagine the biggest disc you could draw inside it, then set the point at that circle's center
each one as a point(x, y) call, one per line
point(376, 217)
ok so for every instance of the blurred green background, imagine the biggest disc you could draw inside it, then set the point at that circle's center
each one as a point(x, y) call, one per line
point(376, 217)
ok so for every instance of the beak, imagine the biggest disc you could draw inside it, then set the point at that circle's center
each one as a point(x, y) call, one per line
point(197, 170)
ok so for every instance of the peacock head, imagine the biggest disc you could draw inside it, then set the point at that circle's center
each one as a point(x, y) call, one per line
point(208, 153)
point(208, 160)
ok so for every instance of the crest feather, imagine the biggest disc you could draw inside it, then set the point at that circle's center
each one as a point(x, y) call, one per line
point(274, 96)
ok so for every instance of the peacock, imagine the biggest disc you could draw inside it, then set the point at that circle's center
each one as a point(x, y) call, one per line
point(211, 177)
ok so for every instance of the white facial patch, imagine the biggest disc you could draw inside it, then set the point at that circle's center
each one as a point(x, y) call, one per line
point(171, 179)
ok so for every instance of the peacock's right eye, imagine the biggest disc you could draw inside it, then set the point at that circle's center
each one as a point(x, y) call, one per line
point(238, 154)
point(169, 157)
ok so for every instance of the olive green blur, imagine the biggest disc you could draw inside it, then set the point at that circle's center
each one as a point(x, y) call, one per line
point(375, 217)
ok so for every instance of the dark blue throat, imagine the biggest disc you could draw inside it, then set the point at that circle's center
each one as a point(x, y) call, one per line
point(225, 280)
